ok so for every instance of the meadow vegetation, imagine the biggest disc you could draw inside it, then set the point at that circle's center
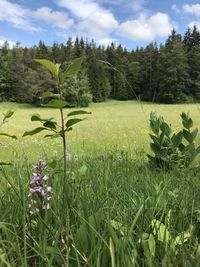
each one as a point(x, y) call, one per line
point(121, 211)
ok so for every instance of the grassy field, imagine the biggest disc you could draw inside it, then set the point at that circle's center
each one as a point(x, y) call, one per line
point(113, 124)
point(119, 213)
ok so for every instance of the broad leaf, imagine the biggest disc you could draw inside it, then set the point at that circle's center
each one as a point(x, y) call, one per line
point(188, 136)
point(161, 231)
point(50, 124)
point(35, 131)
point(177, 139)
point(78, 112)
point(36, 117)
point(194, 133)
point(7, 115)
point(50, 94)
point(5, 164)
point(53, 68)
point(71, 122)
point(72, 70)
point(165, 128)
point(56, 103)
point(52, 136)
point(8, 135)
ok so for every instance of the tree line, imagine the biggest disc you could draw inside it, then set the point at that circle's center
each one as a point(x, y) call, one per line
point(169, 73)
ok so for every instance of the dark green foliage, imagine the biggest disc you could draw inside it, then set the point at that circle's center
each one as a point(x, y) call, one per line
point(169, 73)
point(77, 92)
point(6, 116)
point(134, 79)
point(121, 87)
point(172, 150)
point(173, 71)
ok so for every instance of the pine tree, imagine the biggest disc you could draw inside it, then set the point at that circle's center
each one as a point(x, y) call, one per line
point(150, 83)
point(134, 79)
point(173, 74)
point(192, 44)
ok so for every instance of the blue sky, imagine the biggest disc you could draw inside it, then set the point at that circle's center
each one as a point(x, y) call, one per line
point(131, 23)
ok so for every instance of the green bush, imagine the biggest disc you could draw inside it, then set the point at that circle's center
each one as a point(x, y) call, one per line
point(169, 149)
point(77, 93)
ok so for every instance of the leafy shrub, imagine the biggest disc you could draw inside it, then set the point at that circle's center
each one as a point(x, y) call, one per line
point(77, 92)
point(169, 149)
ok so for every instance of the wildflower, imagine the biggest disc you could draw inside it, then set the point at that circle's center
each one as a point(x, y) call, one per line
point(40, 192)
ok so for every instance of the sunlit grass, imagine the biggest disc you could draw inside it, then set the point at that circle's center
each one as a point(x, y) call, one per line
point(112, 124)
point(110, 184)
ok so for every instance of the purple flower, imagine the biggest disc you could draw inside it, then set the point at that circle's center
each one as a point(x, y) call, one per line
point(40, 192)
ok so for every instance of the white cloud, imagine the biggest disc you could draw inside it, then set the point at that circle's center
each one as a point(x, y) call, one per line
point(81, 8)
point(192, 9)
point(98, 24)
point(55, 18)
point(11, 43)
point(146, 28)
point(106, 41)
point(16, 15)
point(93, 20)
point(26, 19)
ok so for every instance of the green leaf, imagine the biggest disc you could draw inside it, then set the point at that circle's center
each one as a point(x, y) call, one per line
point(155, 139)
point(56, 103)
point(152, 245)
point(5, 164)
point(188, 136)
point(186, 120)
point(7, 115)
point(198, 150)
point(78, 112)
point(35, 131)
point(53, 68)
point(36, 117)
point(177, 139)
point(50, 94)
point(71, 122)
point(8, 135)
point(58, 68)
point(155, 148)
point(161, 231)
point(72, 70)
point(194, 133)
point(165, 128)
point(50, 124)
point(182, 238)
point(52, 136)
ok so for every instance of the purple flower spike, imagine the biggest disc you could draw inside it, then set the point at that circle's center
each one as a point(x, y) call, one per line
point(40, 192)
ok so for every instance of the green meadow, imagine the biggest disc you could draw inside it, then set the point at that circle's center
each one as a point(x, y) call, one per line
point(113, 124)
point(120, 211)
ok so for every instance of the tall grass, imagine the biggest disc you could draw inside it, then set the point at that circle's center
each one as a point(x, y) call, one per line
point(121, 212)
point(113, 200)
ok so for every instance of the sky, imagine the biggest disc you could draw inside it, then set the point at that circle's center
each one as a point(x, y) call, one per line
point(131, 23)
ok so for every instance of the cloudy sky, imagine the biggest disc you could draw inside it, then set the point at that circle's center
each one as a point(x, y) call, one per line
point(129, 22)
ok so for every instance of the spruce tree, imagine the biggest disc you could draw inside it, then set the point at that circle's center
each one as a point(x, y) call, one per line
point(173, 71)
